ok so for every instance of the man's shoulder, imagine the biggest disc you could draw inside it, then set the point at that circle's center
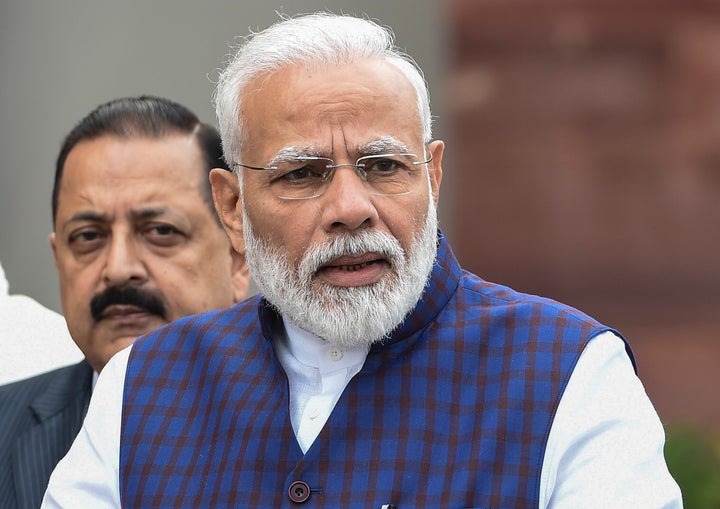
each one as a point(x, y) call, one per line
point(485, 295)
point(61, 385)
point(196, 341)
point(27, 387)
point(208, 326)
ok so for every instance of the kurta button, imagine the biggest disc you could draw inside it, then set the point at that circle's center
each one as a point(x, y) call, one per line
point(334, 353)
point(299, 492)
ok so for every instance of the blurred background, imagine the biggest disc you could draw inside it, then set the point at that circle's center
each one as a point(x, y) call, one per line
point(586, 137)
point(583, 153)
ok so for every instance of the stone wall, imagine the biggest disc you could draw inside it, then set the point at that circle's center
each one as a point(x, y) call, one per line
point(586, 162)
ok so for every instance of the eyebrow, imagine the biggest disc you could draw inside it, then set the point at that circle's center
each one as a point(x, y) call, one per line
point(88, 215)
point(383, 145)
point(149, 213)
point(292, 153)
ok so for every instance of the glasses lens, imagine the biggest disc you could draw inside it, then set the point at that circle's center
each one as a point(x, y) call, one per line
point(390, 174)
point(308, 177)
point(300, 178)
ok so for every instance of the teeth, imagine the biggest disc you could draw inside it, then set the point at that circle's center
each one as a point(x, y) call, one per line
point(353, 268)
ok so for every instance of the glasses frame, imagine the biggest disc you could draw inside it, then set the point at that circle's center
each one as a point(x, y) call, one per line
point(330, 169)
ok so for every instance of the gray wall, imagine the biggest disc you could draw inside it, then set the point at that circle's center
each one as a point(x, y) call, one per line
point(58, 60)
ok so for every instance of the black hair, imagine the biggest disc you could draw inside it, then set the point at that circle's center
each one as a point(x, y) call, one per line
point(144, 116)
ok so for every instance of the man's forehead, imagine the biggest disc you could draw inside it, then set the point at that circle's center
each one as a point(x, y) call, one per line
point(281, 107)
point(129, 198)
point(132, 142)
point(110, 160)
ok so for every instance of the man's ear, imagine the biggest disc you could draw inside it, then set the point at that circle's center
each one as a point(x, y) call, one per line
point(52, 240)
point(226, 196)
point(436, 148)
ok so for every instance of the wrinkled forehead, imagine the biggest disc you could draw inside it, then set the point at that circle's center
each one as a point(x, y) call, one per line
point(132, 172)
point(329, 107)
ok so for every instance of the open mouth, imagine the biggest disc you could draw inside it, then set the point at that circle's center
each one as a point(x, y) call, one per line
point(357, 266)
point(350, 263)
point(350, 270)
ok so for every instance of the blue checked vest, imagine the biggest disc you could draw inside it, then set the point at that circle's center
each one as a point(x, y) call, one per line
point(453, 410)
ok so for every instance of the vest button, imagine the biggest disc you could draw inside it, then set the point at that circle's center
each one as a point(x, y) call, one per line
point(299, 492)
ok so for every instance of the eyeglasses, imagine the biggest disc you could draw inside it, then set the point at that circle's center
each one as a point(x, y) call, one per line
point(308, 177)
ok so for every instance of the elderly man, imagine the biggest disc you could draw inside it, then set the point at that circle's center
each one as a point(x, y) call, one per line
point(372, 371)
point(137, 244)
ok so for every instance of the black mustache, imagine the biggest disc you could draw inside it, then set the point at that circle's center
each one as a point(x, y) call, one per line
point(143, 299)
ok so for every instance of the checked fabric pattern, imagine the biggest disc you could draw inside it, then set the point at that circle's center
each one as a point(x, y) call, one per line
point(453, 410)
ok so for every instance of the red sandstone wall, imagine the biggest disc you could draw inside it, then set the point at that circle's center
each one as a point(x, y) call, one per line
point(586, 161)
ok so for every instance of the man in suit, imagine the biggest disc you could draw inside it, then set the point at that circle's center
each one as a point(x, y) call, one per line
point(137, 244)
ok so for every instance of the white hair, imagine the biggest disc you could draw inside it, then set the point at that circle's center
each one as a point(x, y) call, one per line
point(320, 38)
point(352, 316)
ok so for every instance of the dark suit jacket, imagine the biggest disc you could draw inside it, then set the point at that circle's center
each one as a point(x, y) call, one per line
point(39, 419)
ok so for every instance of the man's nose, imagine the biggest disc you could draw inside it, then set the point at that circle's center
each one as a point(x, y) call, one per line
point(124, 265)
point(348, 203)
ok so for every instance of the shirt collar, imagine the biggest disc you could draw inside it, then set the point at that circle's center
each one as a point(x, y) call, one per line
point(313, 351)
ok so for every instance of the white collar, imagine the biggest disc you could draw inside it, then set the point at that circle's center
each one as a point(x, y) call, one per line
point(315, 352)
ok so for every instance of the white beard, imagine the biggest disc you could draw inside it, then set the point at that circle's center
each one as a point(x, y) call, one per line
point(346, 316)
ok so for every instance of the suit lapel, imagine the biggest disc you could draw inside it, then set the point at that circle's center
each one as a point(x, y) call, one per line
point(59, 412)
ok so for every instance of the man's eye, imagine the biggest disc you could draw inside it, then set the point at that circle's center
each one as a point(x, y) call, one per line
point(86, 241)
point(297, 175)
point(162, 229)
point(303, 175)
point(383, 165)
point(84, 236)
point(163, 235)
